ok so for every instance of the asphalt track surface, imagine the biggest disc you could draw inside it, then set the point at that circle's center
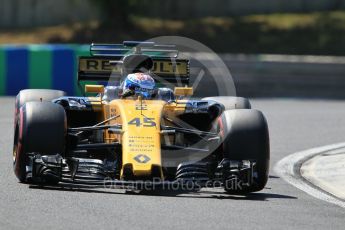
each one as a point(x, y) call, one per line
point(294, 125)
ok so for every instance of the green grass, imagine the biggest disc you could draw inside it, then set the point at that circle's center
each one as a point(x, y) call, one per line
point(294, 21)
point(286, 33)
point(308, 33)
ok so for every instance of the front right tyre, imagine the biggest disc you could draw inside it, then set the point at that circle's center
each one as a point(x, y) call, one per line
point(40, 128)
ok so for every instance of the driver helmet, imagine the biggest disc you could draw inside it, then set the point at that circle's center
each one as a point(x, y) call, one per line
point(139, 83)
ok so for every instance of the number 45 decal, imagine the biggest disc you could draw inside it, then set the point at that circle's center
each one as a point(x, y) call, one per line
point(147, 122)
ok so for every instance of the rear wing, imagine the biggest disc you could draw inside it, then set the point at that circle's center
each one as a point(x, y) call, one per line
point(105, 62)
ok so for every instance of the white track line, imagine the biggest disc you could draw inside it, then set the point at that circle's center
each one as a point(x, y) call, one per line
point(288, 168)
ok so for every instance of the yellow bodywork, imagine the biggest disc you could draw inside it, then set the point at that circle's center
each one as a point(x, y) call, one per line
point(140, 133)
point(140, 136)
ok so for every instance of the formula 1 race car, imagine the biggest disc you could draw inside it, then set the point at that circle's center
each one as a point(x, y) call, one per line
point(139, 138)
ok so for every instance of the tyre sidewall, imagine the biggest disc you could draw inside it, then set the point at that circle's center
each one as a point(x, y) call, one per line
point(246, 137)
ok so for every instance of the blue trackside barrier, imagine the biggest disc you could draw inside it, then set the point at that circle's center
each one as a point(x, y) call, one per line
point(39, 66)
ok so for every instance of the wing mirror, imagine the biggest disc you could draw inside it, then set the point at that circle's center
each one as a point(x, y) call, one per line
point(183, 91)
point(94, 89)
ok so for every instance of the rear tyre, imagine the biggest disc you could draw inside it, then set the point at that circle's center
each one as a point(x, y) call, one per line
point(28, 95)
point(246, 137)
point(41, 128)
point(231, 102)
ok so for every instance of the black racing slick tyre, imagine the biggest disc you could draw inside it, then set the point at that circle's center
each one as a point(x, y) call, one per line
point(230, 103)
point(28, 95)
point(41, 128)
point(246, 137)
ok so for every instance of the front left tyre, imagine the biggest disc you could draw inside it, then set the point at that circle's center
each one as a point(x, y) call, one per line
point(246, 137)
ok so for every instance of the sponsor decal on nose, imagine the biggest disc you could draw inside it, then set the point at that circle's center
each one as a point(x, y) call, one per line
point(141, 158)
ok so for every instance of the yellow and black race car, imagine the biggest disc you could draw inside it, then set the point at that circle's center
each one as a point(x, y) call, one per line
point(123, 137)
